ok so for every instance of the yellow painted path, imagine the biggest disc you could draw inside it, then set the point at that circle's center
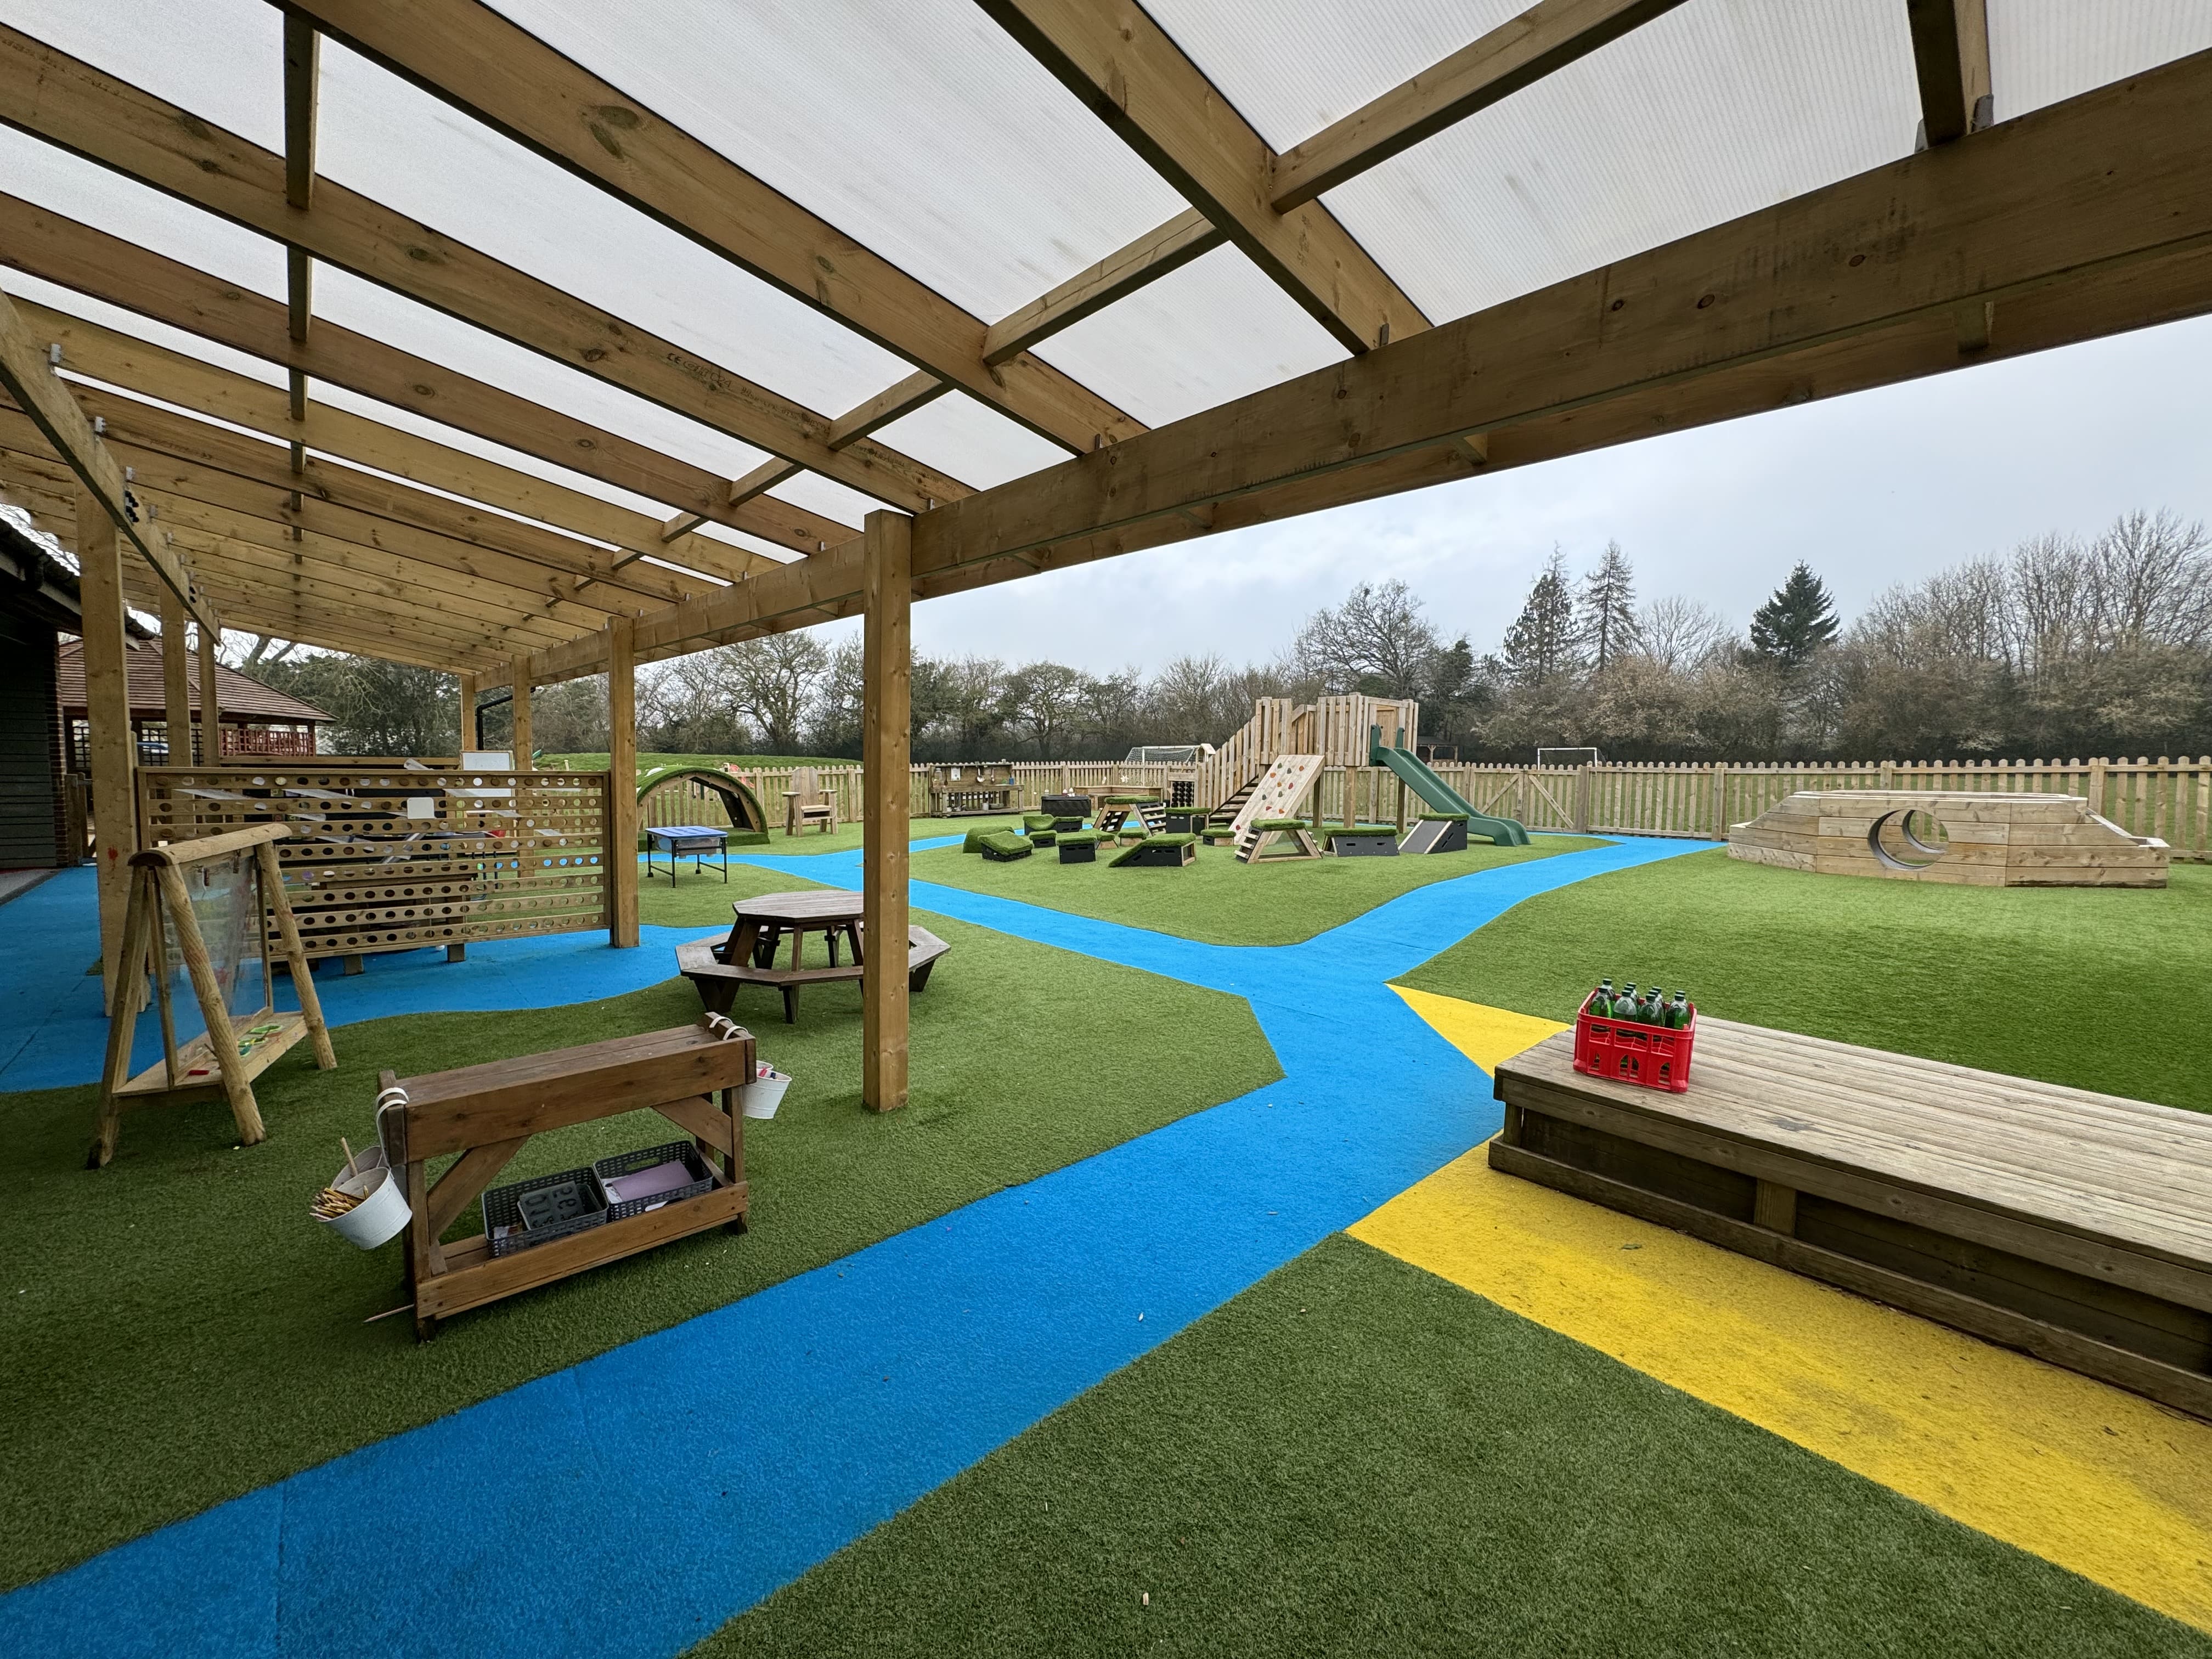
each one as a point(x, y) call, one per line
point(2097, 1479)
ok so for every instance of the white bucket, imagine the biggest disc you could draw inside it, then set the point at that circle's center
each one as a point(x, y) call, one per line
point(383, 1209)
point(760, 1098)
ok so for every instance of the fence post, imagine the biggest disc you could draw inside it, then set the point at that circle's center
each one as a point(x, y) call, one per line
point(2097, 784)
point(1720, 801)
point(1582, 798)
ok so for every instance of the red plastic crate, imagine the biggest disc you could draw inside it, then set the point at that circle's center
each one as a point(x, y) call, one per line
point(1628, 1052)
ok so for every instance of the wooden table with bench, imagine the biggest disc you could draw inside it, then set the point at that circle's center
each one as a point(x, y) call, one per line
point(747, 955)
point(2074, 1227)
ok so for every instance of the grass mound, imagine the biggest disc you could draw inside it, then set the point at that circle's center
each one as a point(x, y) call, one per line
point(2068, 984)
point(175, 1332)
point(1355, 1458)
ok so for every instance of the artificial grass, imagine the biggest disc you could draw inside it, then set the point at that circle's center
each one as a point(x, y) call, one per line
point(2073, 985)
point(1354, 1457)
point(174, 1331)
point(1220, 902)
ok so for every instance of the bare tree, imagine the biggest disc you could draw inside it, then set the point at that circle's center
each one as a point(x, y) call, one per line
point(1679, 634)
point(772, 682)
point(1047, 701)
point(1377, 635)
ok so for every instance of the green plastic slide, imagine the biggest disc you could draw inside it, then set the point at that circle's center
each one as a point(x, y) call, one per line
point(1440, 796)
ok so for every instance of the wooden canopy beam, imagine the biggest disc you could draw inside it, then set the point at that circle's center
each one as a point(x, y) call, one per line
point(1518, 52)
point(29, 377)
point(1951, 57)
point(466, 54)
point(222, 541)
point(69, 102)
point(169, 448)
point(1133, 77)
point(225, 473)
point(1155, 254)
point(104, 354)
point(93, 261)
point(2087, 217)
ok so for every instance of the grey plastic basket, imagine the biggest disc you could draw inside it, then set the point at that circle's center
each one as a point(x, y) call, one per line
point(503, 1207)
point(622, 1164)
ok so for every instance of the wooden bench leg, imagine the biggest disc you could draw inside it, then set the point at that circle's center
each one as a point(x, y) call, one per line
point(457, 952)
point(351, 965)
point(790, 1005)
point(1774, 1207)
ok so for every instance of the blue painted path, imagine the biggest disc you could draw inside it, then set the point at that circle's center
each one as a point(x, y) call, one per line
point(633, 1503)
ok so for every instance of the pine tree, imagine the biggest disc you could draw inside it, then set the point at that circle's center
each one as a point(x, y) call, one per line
point(1608, 626)
point(1541, 645)
point(1797, 621)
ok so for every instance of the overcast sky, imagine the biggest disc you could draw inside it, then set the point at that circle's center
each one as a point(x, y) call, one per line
point(1872, 490)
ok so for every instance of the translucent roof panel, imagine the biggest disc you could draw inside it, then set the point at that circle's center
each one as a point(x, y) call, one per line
point(400, 146)
point(2042, 51)
point(199, 54)
point(90, 194)
point(827, 496)
point(1714, 111)
point(1291, 67)
point(382, 314)
point(922, 130)
point(21, 285)
point(1215, 330)
point(971, 440)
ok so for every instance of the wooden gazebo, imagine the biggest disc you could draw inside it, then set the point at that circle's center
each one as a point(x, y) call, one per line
point(645, 332)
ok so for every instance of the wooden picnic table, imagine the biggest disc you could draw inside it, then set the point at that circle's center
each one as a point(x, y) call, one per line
point(747, 955)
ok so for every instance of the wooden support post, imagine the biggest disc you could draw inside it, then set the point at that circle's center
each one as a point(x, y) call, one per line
point(110, 751)
point(468, 701)
point(521, 740)
point(886, 746)
point(176, 679)
point(210, 698)
point(622, 784)
point(1582, 799)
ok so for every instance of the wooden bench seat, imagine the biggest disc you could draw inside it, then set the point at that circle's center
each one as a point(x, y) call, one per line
point(2074, 1227)
point(717, 981)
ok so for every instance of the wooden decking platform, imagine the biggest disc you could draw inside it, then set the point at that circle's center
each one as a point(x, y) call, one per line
point(2074, 1227)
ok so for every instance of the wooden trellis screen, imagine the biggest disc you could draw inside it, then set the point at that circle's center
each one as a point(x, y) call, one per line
point(383, 859)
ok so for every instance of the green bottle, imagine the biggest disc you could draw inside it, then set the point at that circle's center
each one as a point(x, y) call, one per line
point(1654, 1010)
point(1679, 1015)
point(1601, 1005)
point(1623, 1006)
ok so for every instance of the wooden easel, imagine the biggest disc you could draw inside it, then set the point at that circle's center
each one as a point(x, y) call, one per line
point(211, 1065)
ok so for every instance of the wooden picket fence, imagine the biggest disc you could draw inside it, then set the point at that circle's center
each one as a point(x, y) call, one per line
point(2171, 798)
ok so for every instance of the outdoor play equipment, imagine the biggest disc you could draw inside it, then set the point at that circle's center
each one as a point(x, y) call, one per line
point(2046, 1219)
point(1983, 839)
point(1413, 772)
point(1004, 846)
point(206, 907)
point(971, 790)
point(1364, 841)
point(1114, 811)
point(1436, 832)
point(692, 1076)
point(696, 839)
point(747, 822)
point(1298, 838)
point(1157, 851)
point(1079, 846)
point(1343, 734)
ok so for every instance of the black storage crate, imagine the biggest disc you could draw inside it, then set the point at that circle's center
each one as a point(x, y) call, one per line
point(538, 1212)
point(622, 1164)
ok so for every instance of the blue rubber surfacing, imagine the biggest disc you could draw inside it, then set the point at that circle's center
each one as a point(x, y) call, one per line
point(634, 1503)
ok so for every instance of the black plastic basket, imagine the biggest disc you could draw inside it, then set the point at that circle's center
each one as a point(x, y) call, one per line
point(622, 1164)
point(503, 1207)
